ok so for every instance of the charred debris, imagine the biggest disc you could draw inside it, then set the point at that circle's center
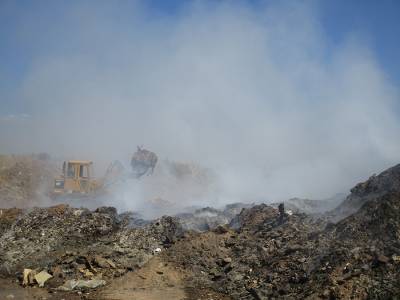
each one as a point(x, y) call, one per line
point(243, 251)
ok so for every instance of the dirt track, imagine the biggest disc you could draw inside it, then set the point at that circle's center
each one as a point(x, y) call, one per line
point(157, 280)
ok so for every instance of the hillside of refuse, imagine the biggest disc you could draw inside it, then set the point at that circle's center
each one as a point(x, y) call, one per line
point(240, 251)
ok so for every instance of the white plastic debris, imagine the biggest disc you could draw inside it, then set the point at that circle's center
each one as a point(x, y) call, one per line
point(73, 284)
point(78, 212)
point(28, 276)
point(42, 277)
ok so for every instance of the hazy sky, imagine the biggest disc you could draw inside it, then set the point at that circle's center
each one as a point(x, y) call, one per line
point(288, 98)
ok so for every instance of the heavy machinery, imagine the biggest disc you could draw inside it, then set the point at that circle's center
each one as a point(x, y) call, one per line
point(77, 178)
point(143, 162)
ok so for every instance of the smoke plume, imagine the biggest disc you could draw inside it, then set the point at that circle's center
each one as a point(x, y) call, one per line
point(257, 95)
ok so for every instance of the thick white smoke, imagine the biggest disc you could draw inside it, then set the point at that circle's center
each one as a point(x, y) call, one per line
point(257, 95)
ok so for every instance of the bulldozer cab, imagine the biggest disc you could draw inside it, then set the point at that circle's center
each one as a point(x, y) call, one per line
point(76, 177)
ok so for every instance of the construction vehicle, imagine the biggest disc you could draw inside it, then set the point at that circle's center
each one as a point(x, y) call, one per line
point(143, 162)
point(77, 180)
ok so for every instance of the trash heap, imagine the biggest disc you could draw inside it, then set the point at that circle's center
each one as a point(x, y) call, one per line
point(245, 252)
point(22, 178)
point(76, 248)
point(377, 185)
point(266, 253)
point(261, 253)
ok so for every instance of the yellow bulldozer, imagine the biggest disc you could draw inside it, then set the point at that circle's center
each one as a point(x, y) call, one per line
point(77, 177)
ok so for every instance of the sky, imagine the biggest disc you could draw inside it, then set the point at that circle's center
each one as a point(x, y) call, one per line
point(280, 98)
point(377, 22)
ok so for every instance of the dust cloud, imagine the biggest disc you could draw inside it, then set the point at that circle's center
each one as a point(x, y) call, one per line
point(258, 96)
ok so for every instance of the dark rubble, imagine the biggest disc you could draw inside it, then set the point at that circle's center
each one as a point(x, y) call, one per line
point(72, 243)
point(377, 185)
point(243, 252)
point(264, 254)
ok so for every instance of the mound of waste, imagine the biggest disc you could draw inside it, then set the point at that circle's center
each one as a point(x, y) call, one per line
point(22, 177)
point(377, 185)
point(266, 253)
point(245, 252)
point(78, 244)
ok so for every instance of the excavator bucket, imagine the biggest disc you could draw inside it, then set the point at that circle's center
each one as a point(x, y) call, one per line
point(143, 162)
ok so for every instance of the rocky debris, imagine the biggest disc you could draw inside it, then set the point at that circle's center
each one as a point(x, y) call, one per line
point(255, 252)
point(266, 256)
point(263, 249)
point(42, 230)
point(376, 186)
point(63, 244)
point(255, 216)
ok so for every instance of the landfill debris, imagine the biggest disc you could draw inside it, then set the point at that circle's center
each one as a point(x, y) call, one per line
point(376, 186)
point(242, 251)
point(277, 255)
point(73, 284)
point(42, 277)
point(28, 277)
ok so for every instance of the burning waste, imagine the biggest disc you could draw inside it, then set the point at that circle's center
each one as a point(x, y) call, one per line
point(243, 251)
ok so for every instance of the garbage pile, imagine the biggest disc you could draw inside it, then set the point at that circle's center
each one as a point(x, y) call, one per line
point(242, 251)
point(23, 178)
point(76, 248)
point(377, 185)
point(262, 252)
point(267, 253)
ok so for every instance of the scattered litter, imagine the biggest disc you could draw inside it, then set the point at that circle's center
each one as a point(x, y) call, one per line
point(42, 277)
point(73, 284)
point(28, 277)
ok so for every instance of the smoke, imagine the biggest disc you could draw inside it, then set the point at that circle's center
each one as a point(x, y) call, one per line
point(257, 94)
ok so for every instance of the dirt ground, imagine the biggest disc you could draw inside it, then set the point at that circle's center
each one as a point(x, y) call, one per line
point(157, 280)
